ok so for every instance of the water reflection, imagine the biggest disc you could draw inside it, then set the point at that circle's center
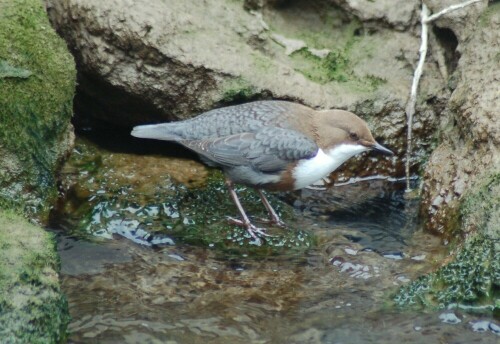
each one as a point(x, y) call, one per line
point(192, 295)
point(368, 244)
point(375, 212)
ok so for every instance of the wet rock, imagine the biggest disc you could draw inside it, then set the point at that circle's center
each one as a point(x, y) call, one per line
point(459, 22)
point(469, 280)
point(157, 61)
point(480, 326)
point(155, 200)
point(449, 318)
point(461, 195)
point(495, 328)
point(469, 151)
point(32, 307)
point(37, 83)
point(400, 16)
point(88, 258)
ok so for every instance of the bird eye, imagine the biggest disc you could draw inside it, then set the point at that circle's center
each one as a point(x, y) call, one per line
point(353, 136)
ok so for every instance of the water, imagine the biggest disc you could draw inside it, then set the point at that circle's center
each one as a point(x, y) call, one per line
point(121, 290)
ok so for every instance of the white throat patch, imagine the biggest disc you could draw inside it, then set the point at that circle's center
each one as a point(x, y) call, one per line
point(310, 171)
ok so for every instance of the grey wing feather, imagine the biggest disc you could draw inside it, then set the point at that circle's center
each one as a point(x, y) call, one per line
point(248, 117)
point(268, 150)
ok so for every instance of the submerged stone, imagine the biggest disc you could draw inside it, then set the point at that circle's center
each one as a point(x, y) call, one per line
point(471, 280)
point(155, 200)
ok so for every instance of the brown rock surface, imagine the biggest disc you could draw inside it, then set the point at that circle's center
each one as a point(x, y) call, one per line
point(470, 150)
point(143, 61)
point(169, 60)
point(401, 16)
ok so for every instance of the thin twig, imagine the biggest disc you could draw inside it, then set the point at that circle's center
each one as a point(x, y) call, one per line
point(449, 9)
point(410, 108)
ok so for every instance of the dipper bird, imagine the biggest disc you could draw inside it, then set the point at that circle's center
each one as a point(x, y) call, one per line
point(274, 145)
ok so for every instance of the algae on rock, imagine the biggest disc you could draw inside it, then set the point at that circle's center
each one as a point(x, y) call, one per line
point(461, 189)
point(155, 200)
point(472, 279)
point(37, 83)
point(32, 307)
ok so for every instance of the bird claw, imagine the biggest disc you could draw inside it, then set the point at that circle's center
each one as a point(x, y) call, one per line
point(253, 230)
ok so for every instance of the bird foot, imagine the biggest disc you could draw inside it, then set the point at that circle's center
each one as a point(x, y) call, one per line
point(253, 230)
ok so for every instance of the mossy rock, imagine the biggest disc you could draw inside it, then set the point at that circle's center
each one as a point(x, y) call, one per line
point(32, 307)
point(333, 67)
point(472, 279)
point(238, 91)
point(37, 84)
point(142, 198)
point(204, 220)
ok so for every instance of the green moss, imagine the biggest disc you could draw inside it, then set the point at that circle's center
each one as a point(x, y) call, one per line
point(472, 279)
point(101, 202)
point(335, 67)
point(37, 82)
point(238, 90)
point(492, 9)
point(32, 307)
point(374, 82)
point(335, 64)
point(480, 210)
point(263, 63)
point(207, 209)
point(331, 68)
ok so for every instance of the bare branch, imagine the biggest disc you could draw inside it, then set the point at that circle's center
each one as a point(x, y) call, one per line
point(450, 9)
point(410, 108)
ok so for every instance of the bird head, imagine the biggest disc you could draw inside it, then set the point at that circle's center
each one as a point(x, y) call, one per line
point(334, 128)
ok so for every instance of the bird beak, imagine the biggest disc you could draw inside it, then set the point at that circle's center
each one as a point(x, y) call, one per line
point(381, 149)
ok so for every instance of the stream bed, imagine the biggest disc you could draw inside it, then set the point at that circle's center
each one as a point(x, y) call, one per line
point(139, 264)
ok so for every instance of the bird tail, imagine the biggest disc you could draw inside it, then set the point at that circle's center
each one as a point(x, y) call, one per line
point(156, 131)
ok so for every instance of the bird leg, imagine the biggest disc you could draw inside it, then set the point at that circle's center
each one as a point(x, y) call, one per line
point(252, 229)
point(274, 218)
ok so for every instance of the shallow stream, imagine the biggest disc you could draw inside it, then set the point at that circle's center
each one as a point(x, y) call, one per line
point(331, 281)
